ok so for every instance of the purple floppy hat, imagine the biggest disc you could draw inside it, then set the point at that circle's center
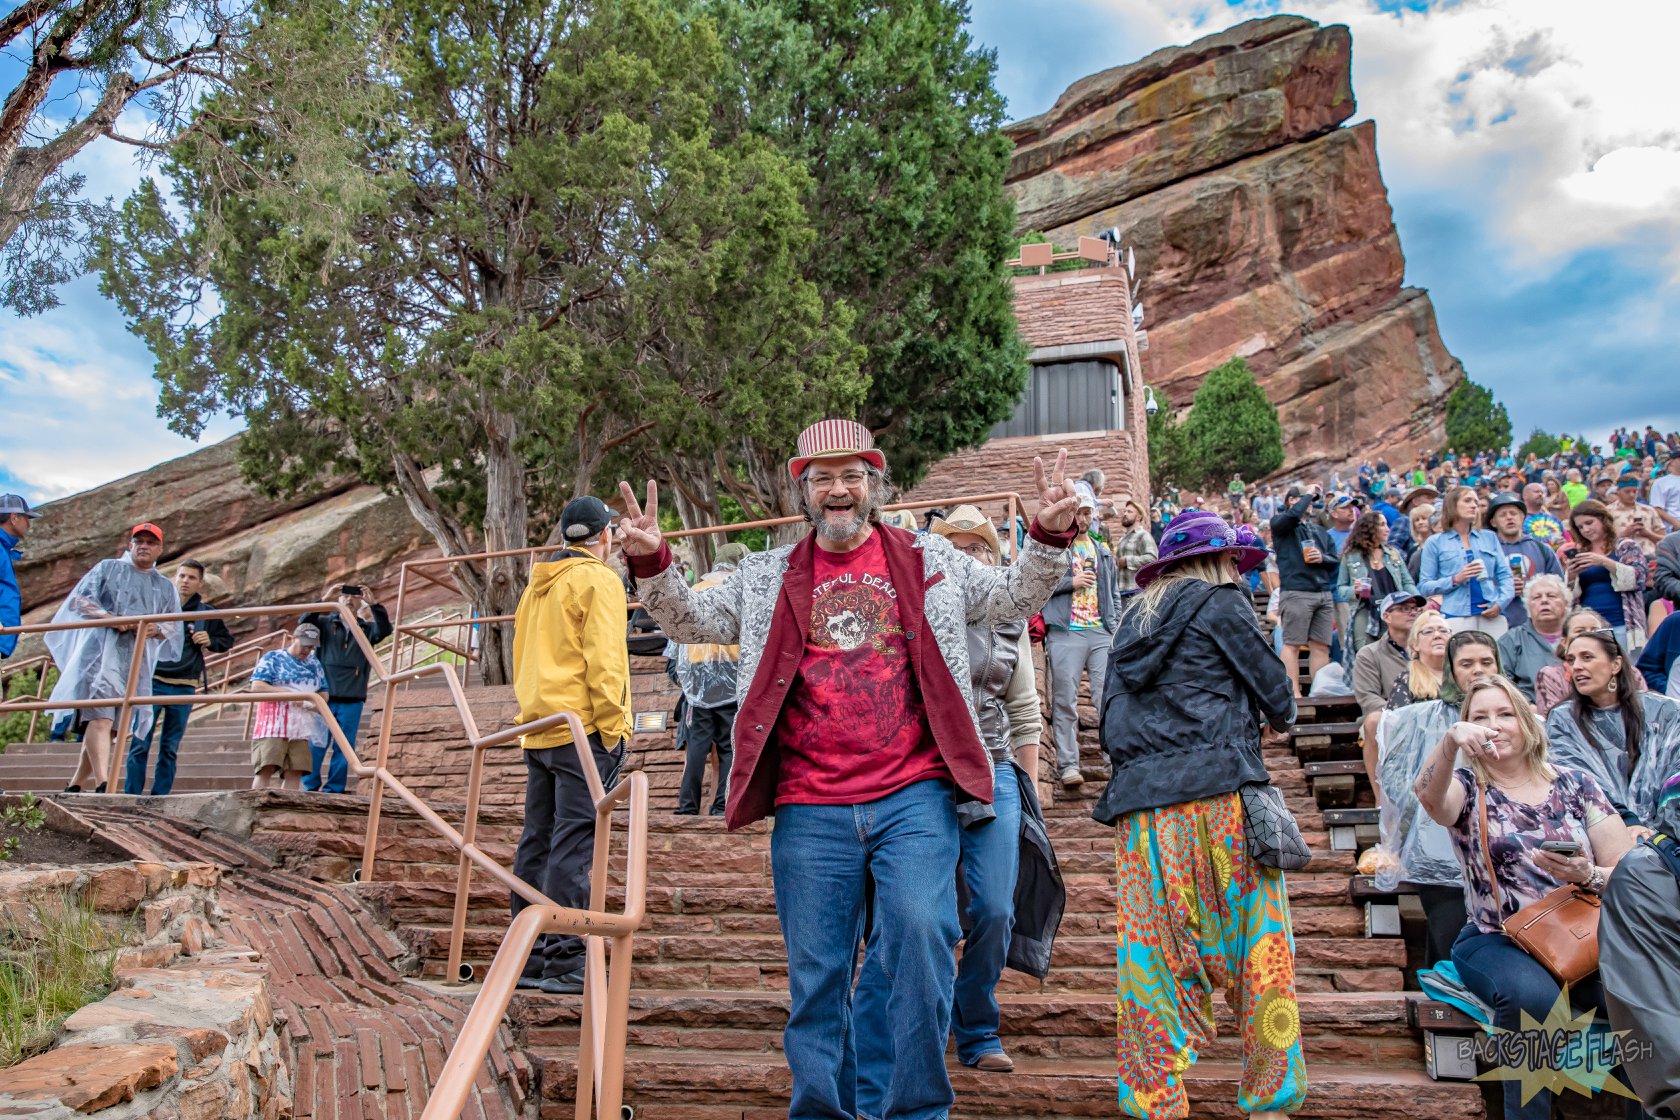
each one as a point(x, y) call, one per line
point(1197, 532)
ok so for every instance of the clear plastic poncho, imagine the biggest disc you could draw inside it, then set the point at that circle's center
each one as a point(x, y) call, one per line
point(93, 663)
point(1424, 848)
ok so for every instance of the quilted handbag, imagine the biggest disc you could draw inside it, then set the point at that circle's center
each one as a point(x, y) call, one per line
point(1559, 930)
point(1269, 829)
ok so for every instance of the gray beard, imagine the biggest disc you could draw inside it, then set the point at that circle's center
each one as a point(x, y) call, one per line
point(844, 530)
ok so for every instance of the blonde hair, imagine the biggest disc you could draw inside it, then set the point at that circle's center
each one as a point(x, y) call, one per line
point(1533, 731)
point(1423, 682)
point(1210, 567)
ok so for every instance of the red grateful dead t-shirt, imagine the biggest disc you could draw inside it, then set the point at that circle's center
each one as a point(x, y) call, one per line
point(853, 728)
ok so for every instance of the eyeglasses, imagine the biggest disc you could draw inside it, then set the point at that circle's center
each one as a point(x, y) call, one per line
point(850, 479)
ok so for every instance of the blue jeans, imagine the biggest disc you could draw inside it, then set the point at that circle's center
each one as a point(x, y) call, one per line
point(348, 713)
point(823, 857)
point(1510, 981)
point(991, 857)
point(173, 717)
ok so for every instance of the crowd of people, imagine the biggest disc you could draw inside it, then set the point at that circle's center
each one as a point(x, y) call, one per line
point(1505, 629)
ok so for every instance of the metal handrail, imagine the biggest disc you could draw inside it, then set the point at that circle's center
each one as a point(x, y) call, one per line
point(606, 985)
point(402, 627)
point(40, 662)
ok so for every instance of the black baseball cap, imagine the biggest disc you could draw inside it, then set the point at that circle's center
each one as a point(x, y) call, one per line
point(584, 518)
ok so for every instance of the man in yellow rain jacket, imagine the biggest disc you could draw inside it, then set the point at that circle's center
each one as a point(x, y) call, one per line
point(569, 655)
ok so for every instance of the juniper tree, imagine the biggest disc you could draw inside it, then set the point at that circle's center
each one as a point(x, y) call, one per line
point(471, 249)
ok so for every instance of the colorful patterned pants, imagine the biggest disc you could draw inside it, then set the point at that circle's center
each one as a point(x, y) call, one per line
point(1195, 914)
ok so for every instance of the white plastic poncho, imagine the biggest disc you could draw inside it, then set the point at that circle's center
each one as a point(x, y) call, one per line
point(93, 663)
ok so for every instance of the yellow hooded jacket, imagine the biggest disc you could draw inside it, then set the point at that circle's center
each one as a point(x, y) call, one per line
point(569, 651)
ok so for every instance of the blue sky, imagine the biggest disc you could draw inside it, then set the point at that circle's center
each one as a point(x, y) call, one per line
point(1531, 150)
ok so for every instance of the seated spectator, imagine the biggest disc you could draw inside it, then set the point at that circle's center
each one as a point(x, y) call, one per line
point(1628, 740)
point(1407, 736)
point(1370, 572)
point(1606, 574)
point(1500, 807)
point(1427, 650)
point(1379, 666)
point(1551, 682)
point(1526, 649)
point(282, 730)
point(1639, 958)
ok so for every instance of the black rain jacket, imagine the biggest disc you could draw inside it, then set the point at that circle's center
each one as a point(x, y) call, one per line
point(1183, 705)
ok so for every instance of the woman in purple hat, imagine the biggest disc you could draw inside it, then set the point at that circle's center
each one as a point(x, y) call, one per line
point(1190, 679)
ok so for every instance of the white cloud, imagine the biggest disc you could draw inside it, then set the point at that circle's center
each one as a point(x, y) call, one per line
point(1551, 118)
point(79, 394)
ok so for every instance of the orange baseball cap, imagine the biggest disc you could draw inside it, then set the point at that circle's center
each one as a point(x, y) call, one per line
point(147, 527)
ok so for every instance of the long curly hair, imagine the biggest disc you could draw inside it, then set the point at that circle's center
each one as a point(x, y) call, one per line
point(1363, 538)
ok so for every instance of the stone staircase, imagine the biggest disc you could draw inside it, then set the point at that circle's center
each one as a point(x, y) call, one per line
point(709, 988)
point(215, 754)
point(710, 978)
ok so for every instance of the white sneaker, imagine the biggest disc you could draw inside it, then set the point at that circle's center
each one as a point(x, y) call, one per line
point(1072, 777)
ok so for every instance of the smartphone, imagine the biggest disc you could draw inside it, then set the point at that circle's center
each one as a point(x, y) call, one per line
point(1561, 847)
point(351, 589)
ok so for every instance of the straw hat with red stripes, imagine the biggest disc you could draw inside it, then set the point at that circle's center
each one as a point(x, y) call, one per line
point(836, 439)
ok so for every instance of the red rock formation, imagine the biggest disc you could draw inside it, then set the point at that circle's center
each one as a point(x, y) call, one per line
point(1261, 228)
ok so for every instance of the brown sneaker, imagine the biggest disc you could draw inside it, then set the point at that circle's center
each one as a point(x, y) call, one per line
point(996, 1062)
point(1071, 778)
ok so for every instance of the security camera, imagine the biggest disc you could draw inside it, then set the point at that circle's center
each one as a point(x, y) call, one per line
point(1150, 405)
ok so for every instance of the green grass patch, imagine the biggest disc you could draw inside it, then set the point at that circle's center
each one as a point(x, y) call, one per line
point(48, 970)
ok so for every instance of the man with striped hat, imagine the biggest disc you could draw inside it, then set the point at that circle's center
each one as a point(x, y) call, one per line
point(854, 731)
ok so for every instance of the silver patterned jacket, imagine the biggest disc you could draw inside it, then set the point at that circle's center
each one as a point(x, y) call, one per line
point(765, 608)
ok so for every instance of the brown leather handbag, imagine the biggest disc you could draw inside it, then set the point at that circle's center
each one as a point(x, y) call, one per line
point(1559, 930)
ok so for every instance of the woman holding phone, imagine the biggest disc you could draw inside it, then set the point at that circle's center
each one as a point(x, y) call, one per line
point(1465, 567)
point(1606, 574)
point(1545, 826)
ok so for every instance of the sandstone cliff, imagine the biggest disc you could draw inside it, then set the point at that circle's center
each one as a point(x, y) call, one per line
point(255, 549)
point(1261, 228)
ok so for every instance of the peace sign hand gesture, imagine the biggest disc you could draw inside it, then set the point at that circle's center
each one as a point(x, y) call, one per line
point(639, 528)
point(1057, 503)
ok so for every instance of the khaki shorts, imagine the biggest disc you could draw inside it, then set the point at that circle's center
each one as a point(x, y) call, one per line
point(287, 754)
point(1307, 616)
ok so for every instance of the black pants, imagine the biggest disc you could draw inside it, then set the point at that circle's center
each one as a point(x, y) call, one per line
point(707, 727)
point(1444, 917)
point(557, 848)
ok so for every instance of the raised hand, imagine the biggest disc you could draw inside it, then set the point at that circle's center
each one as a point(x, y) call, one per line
point(639, 527)
point(1058, 502)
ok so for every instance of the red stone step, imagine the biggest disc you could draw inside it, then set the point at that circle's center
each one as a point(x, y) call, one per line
point(1337, 1027)
point(703, 1085)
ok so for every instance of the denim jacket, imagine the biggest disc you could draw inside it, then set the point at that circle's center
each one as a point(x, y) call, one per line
point(1444, 554)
